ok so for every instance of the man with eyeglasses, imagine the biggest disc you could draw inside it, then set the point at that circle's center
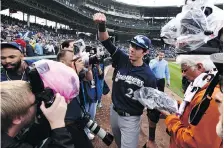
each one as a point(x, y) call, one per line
point(200, 71)
point(74, 112)
point(131, 74)
point(18, 111)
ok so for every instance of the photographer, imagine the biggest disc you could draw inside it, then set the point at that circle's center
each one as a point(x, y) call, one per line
point(74, 112)
point(131, 74)
point(184, 134)
point(77, 63)
point(18, 110)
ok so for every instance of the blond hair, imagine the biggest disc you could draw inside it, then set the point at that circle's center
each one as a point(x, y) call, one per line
point(14, 101)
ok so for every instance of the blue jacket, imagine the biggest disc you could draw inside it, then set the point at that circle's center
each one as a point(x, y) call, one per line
point(93, 94)
point(99, 81)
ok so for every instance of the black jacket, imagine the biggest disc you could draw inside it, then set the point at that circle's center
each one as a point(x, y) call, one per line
point(29, 51)
point(60, 138)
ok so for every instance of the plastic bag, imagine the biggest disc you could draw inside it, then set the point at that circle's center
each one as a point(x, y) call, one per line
point(170, 31)
point(197, 28)
point(155, 99)
point(59, 77)
point(198, 23)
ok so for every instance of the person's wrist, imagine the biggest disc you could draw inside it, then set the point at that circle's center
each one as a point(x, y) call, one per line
point(57, 124)
point(102, 27)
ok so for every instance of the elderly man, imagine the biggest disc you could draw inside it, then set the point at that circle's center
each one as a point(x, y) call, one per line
point(184, 134)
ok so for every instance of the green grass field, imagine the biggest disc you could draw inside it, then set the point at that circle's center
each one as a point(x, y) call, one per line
point(175, 79)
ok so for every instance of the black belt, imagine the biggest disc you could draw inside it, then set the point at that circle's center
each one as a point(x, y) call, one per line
point(159, 78)
point(123, 113)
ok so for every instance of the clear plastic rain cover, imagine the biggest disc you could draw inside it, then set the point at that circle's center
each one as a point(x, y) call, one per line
point(155, 99)
point(193, 27)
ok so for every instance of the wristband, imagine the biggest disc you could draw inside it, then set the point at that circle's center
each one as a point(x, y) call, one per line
point(102, 27)
point(152, 131)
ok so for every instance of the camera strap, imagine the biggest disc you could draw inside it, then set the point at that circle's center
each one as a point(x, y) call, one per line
point(83, 94)
point(81, 104)
point(199, 110)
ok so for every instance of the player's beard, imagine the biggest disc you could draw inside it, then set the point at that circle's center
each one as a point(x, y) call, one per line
point(15, 68)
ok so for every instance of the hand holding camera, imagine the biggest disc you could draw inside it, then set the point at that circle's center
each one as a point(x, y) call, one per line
point(55, 114)
point(78, 65)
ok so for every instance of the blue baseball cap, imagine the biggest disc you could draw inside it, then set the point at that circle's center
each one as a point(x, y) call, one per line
point(12, 45)
point(18, 36)
point(141, 41)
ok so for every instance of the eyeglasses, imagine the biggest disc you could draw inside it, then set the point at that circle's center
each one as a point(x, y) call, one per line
point(67, 50)
point(185, 70)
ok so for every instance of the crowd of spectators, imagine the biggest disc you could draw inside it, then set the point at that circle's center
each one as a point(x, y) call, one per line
point(37, 40)
point(117, 17)
point(44, 40)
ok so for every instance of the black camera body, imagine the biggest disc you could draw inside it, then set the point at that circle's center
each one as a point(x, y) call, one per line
point(41, 93)
point(47, 95)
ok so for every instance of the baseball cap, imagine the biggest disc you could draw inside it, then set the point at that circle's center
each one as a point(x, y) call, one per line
point(141, 41)
point(12, 45)
point(18, 36)
point(217, 59)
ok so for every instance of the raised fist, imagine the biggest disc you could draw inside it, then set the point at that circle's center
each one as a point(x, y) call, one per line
point(99, 18)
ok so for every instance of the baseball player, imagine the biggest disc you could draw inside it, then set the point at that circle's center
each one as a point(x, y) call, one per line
point(131, 74)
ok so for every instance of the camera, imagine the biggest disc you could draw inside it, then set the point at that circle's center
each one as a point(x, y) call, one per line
point(88, 59)
point(89, 56)
point(47, 95)
point(85, 121)
point(41, 93)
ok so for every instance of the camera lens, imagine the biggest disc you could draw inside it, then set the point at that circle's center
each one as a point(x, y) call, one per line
point(93, 60)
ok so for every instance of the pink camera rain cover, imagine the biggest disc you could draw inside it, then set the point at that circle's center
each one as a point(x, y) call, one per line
point(59, 77)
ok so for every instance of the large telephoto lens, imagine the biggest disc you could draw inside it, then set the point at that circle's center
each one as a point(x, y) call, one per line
point(97, 130)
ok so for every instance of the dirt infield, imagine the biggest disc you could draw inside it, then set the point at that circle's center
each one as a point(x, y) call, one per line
point(103, 119)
